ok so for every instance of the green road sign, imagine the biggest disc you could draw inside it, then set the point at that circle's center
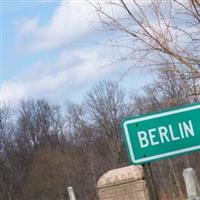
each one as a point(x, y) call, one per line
point(163, 134)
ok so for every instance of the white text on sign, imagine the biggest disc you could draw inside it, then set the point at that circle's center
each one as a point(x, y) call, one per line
point(164, 134)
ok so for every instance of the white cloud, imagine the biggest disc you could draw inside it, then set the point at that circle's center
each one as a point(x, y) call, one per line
point(69, 21)
point(72, 20)
point(29, 26)
point(73, 69)
point(45, 79)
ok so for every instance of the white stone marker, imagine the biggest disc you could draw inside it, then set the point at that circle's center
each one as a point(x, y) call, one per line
point(71, 193)
point(191, 183)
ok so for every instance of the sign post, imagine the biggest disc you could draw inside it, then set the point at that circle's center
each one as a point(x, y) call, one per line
point(163, 134)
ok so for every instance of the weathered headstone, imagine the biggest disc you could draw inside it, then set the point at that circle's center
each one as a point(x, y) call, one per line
point(125, 183)
point(191, 183)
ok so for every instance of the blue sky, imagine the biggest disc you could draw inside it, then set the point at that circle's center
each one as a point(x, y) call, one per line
point(55, 50)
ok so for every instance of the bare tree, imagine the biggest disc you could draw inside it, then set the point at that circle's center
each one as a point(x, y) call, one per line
point(107, 106)
point(170, 89)
point(77, 125)
point(83, 133)
point(39, 122)
point(154, 32)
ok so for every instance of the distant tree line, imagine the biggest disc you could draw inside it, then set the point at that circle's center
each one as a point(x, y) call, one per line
point(44, 148)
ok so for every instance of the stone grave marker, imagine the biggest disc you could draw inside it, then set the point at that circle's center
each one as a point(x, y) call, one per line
point(125, 183)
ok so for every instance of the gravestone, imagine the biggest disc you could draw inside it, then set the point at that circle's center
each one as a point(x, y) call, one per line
point(125, 183)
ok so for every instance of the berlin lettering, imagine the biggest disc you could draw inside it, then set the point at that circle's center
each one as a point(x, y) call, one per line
point(165, 134)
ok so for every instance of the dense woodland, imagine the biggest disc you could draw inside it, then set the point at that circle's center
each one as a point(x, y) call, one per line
point(45, 148)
